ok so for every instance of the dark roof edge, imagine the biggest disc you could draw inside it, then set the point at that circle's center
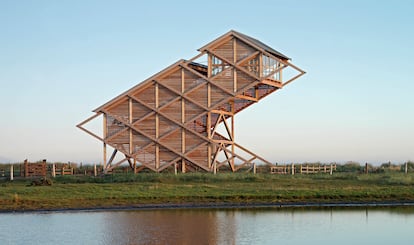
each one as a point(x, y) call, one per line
point(249, 40)
point(262, 45)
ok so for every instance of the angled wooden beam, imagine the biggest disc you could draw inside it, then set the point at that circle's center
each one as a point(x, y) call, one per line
point(293, 78)
point(156, 141)
point(272, 83)
point(185, 65)
point(236, 66)
point(80, 126)
point(245, 97)
point(184, 95)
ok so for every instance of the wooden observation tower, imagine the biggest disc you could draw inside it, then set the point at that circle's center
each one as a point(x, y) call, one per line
point(183, 116)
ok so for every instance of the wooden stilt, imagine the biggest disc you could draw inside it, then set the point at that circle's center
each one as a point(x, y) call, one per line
point(215, 167)
point(182, 166)
point(183, 134)
point(157, 129)
point(104, 137)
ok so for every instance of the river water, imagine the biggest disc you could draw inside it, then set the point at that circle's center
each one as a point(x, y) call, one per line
point(212, 226)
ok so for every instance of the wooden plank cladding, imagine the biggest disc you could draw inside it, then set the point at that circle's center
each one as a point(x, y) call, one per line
point(34, 169)
point(171, 120)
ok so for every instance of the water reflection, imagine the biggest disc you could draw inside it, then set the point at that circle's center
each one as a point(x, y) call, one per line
point(170, 227)
point(205, 226)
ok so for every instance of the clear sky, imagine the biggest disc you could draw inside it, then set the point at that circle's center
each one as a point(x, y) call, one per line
point(59, 60)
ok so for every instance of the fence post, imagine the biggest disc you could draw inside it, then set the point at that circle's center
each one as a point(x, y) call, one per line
point(366, 168)
point(53, 170)
point(301, 169)
point(94, 169)
point(254, 168)
point(26, 168)
point(11, 172)
point(293, 169)
point(175, 168)
point(44, 164)
point(330, 172)
point(406, 167)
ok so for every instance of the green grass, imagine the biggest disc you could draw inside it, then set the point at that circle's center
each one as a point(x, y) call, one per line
point(132, 190)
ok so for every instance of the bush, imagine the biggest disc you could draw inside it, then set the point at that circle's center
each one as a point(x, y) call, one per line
point(350, 166)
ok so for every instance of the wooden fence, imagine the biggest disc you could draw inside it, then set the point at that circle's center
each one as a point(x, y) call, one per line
point(284, 169)
point(312, 169)
point(62, 169)
point(302, 169)
point(43, 169)
point(34, 169)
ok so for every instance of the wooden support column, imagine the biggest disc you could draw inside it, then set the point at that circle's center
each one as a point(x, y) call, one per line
point(131, 147)
point(234, 62)
point(157, 125)
point(280, 74)
point(232, 136)
point(260, 65)
point(182, 121)
point(105, 132)
point(208, 129)
point(233, 103)
point(215, 167)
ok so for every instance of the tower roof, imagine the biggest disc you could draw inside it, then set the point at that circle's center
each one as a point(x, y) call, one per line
point(249, 40)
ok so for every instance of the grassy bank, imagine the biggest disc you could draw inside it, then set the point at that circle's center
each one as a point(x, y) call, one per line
point(134, 190)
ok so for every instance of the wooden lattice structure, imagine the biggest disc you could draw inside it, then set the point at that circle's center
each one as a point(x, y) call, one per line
point(173, 118)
